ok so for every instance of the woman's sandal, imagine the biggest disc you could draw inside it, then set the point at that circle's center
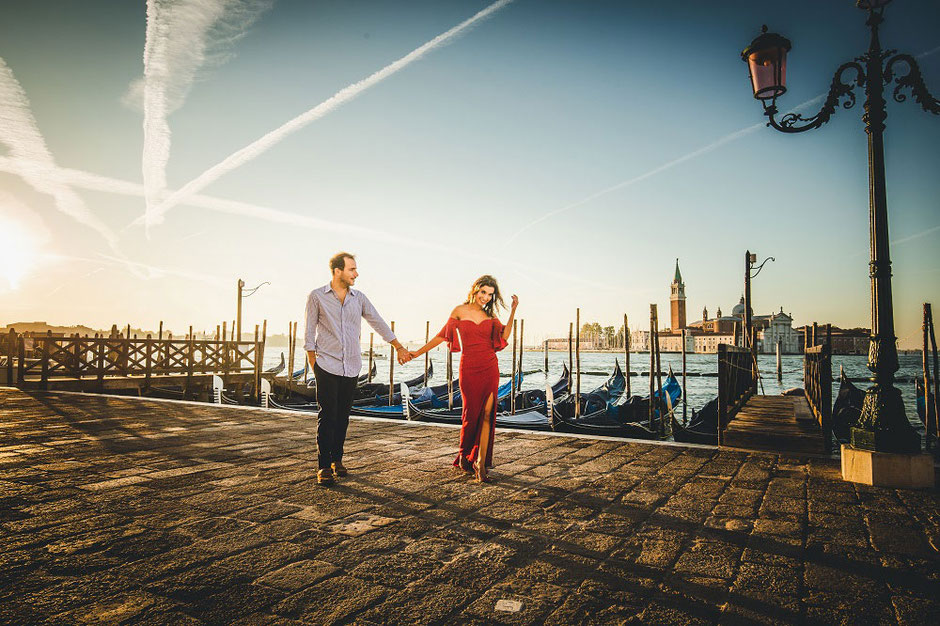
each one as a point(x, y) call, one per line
point(479, 469)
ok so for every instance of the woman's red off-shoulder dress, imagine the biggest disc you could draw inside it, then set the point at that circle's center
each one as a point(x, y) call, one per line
point(479, 378)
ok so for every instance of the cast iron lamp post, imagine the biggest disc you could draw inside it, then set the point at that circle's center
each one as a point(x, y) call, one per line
point(883, 425)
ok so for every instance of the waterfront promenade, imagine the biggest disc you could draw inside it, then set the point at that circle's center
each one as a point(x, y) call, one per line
point(122, 510)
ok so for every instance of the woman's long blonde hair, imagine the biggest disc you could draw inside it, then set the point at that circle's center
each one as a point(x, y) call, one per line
point(495, 303)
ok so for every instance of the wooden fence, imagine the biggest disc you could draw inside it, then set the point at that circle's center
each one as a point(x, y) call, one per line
point(736, 382)
point(817, 385)
point(39, 359)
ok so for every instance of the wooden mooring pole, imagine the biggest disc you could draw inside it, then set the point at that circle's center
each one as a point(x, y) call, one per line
point(929, 414)
point(450, 379)
point(570, 360)
point(936, 369)
point(545, 367)
point(659, 384)
point(685, 402)
point(391, 371)
point(779, 361)
point(652, 402)
point(626, 353)
point(521, 351)
point(427, 355)
point(512, 376)
point(371, 354)
point(577, 352)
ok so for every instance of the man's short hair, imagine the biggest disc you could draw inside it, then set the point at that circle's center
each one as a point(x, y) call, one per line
point(338, 260)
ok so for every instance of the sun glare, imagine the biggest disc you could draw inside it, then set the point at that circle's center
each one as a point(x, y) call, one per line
point(18, 252)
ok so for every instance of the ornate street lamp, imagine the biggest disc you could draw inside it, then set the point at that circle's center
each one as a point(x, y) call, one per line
point(883, 425)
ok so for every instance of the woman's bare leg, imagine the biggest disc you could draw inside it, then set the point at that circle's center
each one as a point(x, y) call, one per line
point(484, 449)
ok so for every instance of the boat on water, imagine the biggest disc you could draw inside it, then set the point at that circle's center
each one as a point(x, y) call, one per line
point(530, 406)
point(701, 428)
point(847, 408)
point(376, 394)
point(606, 412)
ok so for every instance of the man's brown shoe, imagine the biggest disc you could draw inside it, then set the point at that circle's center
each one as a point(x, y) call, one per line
point(325, 476)
point(340, 470)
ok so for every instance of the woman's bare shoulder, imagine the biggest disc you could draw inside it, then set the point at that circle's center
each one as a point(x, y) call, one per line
point(458, 312)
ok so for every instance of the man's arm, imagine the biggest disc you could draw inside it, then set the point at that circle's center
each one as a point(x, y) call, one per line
point(371, 315)
point(311, 317)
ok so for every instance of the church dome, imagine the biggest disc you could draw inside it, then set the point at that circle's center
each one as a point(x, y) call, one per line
point(738, 310)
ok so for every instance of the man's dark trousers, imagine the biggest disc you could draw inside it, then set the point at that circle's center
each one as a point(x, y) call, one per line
point(335, 396)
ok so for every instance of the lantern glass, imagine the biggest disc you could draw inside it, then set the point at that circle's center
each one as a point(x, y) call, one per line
point(768, 69)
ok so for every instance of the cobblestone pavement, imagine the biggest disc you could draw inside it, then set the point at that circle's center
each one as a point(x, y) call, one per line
point(121, 510)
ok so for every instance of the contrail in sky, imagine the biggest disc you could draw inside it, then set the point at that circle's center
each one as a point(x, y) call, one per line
point(695, 153)
point(31, 158)
point(344, 95)
point(656, 170)
point(181, 37)
point(97, 182)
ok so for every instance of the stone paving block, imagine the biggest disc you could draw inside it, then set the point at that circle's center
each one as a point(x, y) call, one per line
point(334, 600)
point(222, 522)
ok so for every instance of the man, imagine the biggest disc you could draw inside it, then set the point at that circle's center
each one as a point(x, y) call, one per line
point(331, 339)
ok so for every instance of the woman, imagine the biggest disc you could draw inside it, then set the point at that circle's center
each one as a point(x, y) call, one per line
point(474, 329)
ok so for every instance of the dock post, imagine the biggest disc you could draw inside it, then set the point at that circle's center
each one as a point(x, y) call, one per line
point(936, 377)
point(190, 365)
point(545, 368)
point(391, 371)
point(99, 358)
point(626, 353)
point(929, 411)
point(149, 356)
point(685, 399)
point(44, 379)
point(577, 352)
point(570, 361)
point(779, 361)
point(371, 354)
point(512, 375)
point(21, 361)
point(291, 351)
point(815, 335)
point(259, 364)
point(427, 355)
point(521, 351)
point(11, 354)
point(450, 379)
point(659, 384)
point(652, 402)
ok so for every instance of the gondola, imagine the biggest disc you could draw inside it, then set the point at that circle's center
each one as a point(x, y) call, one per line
point(445, 415)
point(372, 394)
point(701, 428)
point(277, 369)
point(312, 382)
point(847, 408)
point(614, 417)
point(526, 401)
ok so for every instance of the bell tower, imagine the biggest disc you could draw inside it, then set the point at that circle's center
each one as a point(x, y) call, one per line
point(677, 300)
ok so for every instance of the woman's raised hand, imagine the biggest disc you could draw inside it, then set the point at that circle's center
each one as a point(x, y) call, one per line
point(515, 301)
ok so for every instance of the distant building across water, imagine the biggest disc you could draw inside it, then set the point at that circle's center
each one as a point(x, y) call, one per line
point(703, 336)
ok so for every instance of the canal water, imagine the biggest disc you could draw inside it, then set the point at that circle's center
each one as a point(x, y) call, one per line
point(701, 384)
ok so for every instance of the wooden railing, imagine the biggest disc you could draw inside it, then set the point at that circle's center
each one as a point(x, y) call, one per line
point(817, 385)
point(736, 383)
point(42, 358)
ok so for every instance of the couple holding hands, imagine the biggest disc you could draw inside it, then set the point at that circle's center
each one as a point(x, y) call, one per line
point(331, 340)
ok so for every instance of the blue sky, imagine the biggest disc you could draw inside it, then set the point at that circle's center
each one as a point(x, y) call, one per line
point(572, 149)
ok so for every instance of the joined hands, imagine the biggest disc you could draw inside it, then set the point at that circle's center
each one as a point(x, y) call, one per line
point(404, 355)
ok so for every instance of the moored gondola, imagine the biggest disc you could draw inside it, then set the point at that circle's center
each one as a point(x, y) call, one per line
point(373, 394)
point(701, 428)
point(600, 415)
point(847, 408)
